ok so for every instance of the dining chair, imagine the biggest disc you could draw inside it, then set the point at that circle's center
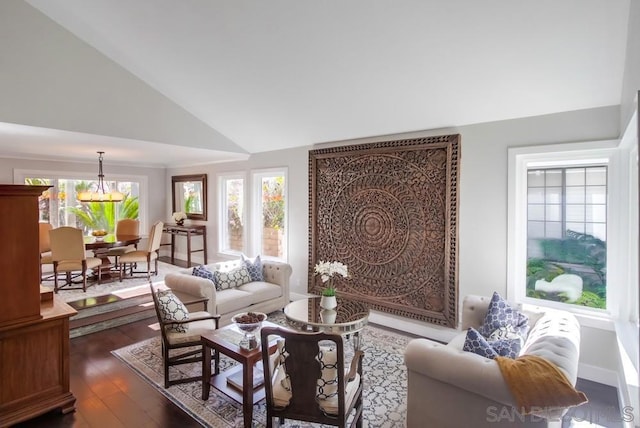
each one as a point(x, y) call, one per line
point(182, 330)
point(150, 254)
point(126, 226)
point(45, 248)
point(69, 255)
point(307, 379)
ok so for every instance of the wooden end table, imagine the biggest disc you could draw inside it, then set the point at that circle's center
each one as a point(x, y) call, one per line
point(225, 341)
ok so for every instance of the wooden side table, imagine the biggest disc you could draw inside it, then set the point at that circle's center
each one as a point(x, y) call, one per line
point(225, 340)
point(187, 231)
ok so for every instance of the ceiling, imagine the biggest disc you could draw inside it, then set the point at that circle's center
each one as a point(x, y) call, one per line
point(284, 73)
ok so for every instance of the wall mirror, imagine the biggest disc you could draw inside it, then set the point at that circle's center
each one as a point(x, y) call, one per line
point(190, 195)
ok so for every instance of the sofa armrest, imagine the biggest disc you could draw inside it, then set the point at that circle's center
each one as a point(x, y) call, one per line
point(464, 370)
point(277, 273)
point(193, 286)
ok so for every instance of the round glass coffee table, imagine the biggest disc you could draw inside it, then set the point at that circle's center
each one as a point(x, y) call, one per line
point(348, 318)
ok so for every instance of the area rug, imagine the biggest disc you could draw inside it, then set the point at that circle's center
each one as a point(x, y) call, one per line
point(113, 286)
point(385, 382)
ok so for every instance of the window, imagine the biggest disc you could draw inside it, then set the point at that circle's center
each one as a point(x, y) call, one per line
point(60, 207)
point(562, 250)
point(567, 234)
point(232, 214)
point(270, 216)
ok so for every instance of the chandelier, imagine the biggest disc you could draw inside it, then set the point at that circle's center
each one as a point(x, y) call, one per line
point(99, 194)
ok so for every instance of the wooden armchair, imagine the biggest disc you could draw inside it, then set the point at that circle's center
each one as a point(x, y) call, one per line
point(181, 334)
point(306, 379)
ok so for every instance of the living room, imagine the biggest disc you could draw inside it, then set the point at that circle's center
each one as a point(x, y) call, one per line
point(69, 91)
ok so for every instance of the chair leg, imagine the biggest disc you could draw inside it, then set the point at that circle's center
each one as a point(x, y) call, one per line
point(55, 279)
point(165, 362)
point(121, 270)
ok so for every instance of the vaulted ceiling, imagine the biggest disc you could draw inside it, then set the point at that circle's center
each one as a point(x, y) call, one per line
point(276, 74)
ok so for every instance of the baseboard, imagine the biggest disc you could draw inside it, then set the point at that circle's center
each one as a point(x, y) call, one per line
point(598, 374)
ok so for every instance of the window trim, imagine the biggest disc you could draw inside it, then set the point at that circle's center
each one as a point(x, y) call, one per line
point(570, 154)
point(19, 176)
point(221, 180)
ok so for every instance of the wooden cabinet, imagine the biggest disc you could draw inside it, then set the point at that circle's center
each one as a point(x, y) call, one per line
point(34, 334)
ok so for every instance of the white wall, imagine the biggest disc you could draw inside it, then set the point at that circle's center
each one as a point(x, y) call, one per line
point(51, 79)
point(631, 80)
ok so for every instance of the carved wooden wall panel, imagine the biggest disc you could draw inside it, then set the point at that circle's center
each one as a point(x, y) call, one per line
point(389, 211)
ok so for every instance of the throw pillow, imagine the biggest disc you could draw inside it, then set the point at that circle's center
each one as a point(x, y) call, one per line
point(254, 267)
point(172, 309)
point(233, 278)
point(500, 315)
point(203, 272)
point(507, 347)
point(474, 342)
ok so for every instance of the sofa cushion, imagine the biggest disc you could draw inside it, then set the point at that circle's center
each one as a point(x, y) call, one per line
point(500, 315)
point(254, 267)
point(172, 309)
point(203, 272)
point(230, 279)
point(232, 300)
point(261, 291)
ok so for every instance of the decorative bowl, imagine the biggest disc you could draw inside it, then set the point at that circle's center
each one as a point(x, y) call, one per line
point(100, 233)
point(249, 323)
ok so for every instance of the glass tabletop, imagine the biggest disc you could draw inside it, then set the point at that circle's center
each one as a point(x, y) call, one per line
point(349, 316)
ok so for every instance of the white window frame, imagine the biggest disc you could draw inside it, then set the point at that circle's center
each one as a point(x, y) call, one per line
point(19, 175)
point(559, 155)
point(256, 213)
point(222, 211)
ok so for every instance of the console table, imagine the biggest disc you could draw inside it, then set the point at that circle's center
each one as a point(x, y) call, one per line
point(187, 231)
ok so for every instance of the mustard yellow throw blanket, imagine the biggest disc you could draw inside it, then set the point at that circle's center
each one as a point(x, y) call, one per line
point(538, 385)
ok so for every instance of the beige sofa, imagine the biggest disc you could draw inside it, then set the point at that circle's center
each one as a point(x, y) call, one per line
point(448, 387)
point(259, 296)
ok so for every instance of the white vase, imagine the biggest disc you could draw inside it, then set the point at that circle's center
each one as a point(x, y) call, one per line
point(328, 302)
point(328, 316)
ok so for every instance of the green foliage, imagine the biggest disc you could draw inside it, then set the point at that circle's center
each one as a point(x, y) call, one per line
point(591, 300)
point(329, 291)
point(101, 215)
point(580, 254)
point(273, 202)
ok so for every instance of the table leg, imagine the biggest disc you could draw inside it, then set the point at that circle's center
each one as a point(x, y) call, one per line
point(206, 371)
point(247, 394)
point(189, 248)
point(173, 246)
point(204, 244)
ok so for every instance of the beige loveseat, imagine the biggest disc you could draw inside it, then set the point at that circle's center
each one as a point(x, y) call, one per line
point(448, 387)
point(259, 296)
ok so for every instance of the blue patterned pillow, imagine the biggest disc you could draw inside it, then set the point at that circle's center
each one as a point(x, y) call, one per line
point(500, 315)
point(506, 347)
point(234, 278)
point(254, 267)
point(474, 342)
point(203, 272)
point(172, 309)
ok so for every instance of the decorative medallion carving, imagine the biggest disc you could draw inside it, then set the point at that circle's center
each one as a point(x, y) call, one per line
point(389, 211)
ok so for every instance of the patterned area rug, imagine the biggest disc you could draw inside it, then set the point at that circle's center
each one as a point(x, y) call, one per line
point(385, 382)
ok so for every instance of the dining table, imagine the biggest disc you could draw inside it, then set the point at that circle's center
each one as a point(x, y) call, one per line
point(99, 245)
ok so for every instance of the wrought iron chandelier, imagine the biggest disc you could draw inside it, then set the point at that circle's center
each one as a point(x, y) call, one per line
point(100, 194)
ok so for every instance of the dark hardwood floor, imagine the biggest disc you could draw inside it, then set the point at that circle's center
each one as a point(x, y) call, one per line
point(108, 393)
